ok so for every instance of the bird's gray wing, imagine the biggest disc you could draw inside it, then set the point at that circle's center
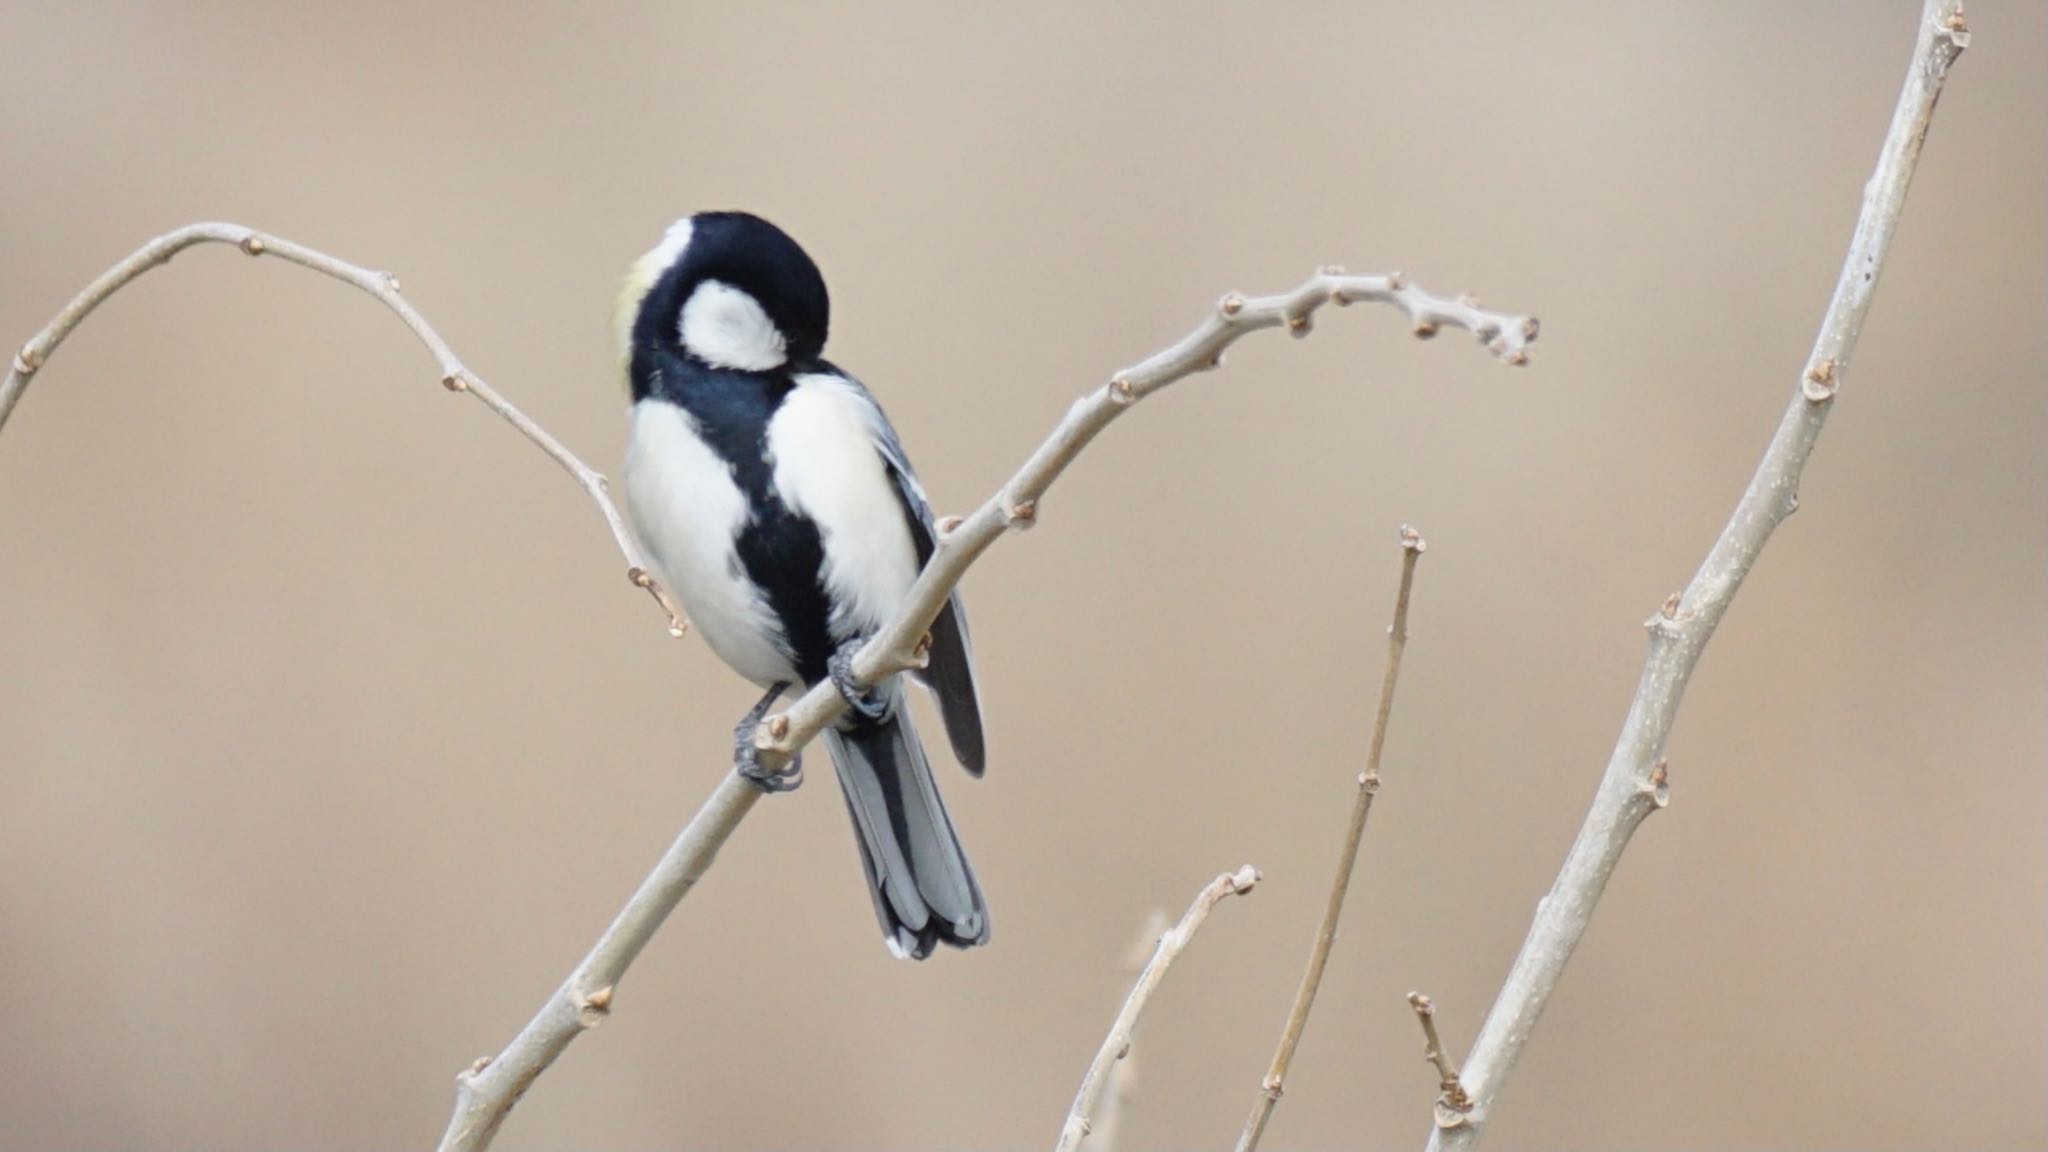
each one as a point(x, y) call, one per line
point(950, 673)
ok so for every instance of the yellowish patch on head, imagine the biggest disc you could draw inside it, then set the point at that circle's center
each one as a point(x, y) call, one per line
point(640, 280)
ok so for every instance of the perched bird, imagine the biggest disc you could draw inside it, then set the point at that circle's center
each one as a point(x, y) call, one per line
point(776, 502)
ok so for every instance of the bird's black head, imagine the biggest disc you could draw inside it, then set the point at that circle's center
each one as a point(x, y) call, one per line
point(729, 290)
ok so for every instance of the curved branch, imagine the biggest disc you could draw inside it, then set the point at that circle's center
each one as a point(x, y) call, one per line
point(1635, 781)
point(1118, 1042)
point(383, 286)
point(486, 1092)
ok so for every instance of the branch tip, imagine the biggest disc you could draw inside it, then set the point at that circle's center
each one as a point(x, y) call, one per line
point(1412, 541)
point(1453, 1105)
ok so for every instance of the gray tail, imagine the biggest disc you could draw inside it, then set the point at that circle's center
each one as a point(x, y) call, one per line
point(924, 889)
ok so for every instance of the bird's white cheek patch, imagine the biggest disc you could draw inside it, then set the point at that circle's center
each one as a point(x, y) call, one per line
point(726, 328)
point(687, 510)
point(822, 445)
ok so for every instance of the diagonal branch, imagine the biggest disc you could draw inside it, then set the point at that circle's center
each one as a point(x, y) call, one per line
point(1118, 1042)
point(486, 1093)
point(383, 286)
point(1412, 547)
point(1634, 784)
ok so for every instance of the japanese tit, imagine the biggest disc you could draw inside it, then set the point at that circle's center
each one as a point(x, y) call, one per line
point(776, 503)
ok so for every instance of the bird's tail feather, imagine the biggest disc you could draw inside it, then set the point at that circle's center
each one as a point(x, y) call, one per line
point(924, 889)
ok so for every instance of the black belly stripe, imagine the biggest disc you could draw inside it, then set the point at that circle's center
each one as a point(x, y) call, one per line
point(781, 550)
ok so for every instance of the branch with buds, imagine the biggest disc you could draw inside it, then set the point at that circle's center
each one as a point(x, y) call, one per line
point(382, 287)
point(1637, 780)
point(486, 1093)
point(488, 1089)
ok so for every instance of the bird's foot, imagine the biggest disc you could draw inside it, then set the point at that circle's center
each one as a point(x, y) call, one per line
point(746, 757)
point(866, 703)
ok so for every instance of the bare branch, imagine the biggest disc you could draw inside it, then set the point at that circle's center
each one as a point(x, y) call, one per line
point(1016, 505)
point(1412, 547)
point(485, 1096)
point(1108, 1123)
point(1635, 783)
point(383, 286)
point(487, 1090)
point(1452, 1104)
point(1118, 1043)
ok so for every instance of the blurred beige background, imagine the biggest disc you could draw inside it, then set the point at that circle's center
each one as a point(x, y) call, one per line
point(330, 735)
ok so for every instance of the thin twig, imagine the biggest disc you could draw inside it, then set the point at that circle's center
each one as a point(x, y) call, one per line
point(1268, 1098)
point(1453, 1105)
point(1635, 783)
point(1108, 1124)
point(383, 286)
point(485, 1095)
point(1118, 1043)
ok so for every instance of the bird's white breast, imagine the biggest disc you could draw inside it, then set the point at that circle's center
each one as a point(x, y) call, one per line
point(688, 511)
point(822, 445)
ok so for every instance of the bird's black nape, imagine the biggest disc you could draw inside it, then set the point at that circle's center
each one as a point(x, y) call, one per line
point(743, 250)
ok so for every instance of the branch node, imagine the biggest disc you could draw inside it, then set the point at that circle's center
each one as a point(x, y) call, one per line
point(1331, 270)
point(27, 360)
point(455, 382)
point(1658, 786)
point(253, 245)
point(1670, 609)
point(1298, 326)
point(778, 726)
point(594, 1007)
point(1820, 384)
point(947, 525)
point(477, 1066)
point(390, 281)
point(1397, 280)
point(1231, 304)
point(1121, 393)
point(1425, 329)
point(1957, 29)
point(1022, 515)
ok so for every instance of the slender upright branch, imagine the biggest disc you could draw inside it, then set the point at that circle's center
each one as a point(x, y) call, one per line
point(383, 287)
point(1118, 1043)
point(1453, 1105)
point(1412, 546)
point(1635, 783)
